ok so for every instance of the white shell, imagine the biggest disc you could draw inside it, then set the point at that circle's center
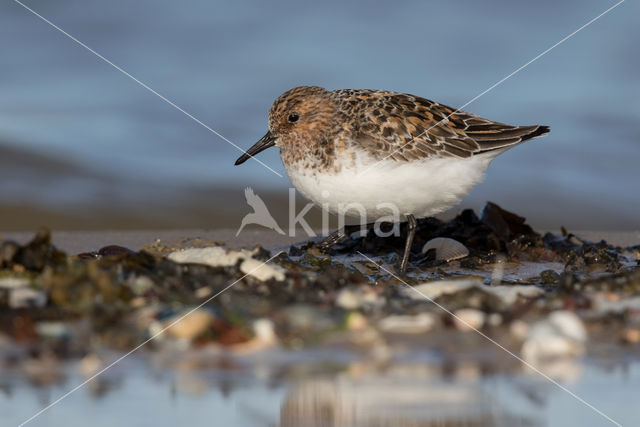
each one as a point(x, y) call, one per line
point(446, 249)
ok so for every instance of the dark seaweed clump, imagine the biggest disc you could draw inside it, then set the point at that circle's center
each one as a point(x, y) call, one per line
point(496, 232)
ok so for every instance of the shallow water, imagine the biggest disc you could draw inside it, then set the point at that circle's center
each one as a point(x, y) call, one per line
point(329, 392)
point(225, 63)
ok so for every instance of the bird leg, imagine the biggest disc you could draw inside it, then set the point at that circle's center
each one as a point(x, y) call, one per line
point(411, 232)
point(339, 235)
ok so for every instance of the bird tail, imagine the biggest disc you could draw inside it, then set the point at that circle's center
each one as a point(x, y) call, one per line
point(501, 138)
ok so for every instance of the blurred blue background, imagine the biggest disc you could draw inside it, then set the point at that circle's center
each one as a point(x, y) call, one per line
point(78, 139)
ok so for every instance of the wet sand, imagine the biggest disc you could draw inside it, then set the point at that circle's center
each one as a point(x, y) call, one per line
point(83, 241)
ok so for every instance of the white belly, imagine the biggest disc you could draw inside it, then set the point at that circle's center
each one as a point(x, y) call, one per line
point(422, 188)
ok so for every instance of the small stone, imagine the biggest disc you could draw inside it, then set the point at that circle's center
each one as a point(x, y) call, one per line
point(549, 277)
point(468, 319)
point(356, 321)
point(519, 329)
point(90, 364)
point(418, 324)
point(348, 299)
point(560, 335)
point(203, 292)
point(432, 290)
point(26, 297)
point(631, 336)
point(141, 285)
point(264, 330)
point(494, 319)
point(295, 251)
point(8, 250)
point(510, 293)
point(190, 326)
point(13, 282)
point(53, 330)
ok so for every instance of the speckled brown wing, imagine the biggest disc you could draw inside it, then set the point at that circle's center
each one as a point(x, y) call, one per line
point(404, 127)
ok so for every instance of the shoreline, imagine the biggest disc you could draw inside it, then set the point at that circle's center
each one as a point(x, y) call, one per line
point(74, 242)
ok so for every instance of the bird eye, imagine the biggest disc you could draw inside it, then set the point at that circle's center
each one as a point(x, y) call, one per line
point(293, 117)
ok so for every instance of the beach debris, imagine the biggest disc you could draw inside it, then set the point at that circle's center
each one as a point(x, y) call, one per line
point(110, 250)
point(116, 298)
point(602, 304)
point(35, 255)
point(26, 297)
point(348, 299)
point(356, 321)
point(408, 324)
point(8, 250)
point(561, 334)
point(53, 330)
point(187, 324)
point(217, 256)
point(445, 249)
point(433, 290)
point(631, 336)
point(519, 329)
point(510, 293)
point(90, 364)
point(506, 225)
point(506, 293)
point(14, 282)
point(353, 298)
point(265, 331)
point(468, 319)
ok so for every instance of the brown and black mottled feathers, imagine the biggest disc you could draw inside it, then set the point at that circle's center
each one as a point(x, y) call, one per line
point(414, 128)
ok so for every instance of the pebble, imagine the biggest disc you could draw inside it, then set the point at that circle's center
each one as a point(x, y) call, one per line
point(265, 331)
point(54, 330)
point(356, 321)
point(631, 336)
point(13, 282)
point(348, 299)
point(602, 304)
point(190, 326)
point(562, 334)
point(407, 324)
point(446, 249)
point(90, 365)
point(508, 294)
point(519, 329)
point(141, 285)
point(352, 299)
point(494, 319)
point(468, 319)
point(8, 250)
point(432, 290)
point(26, 297)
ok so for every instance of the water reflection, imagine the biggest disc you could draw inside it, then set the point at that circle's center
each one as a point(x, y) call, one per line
point(293, 390)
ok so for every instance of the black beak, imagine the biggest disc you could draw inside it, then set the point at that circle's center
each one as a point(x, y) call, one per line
point(265, 142)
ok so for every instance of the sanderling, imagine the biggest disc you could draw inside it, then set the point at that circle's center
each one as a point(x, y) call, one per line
point(375, 148)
